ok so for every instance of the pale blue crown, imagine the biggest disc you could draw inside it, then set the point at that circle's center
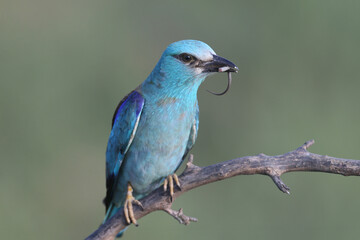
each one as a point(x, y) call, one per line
point(196, 48)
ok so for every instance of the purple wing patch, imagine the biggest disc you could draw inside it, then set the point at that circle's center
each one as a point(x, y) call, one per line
point(133, 96)
point(124, 124)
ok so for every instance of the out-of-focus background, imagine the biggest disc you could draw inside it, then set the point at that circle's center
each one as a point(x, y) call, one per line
point(64, 65)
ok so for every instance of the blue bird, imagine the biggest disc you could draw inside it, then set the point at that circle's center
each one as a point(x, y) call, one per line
point(155, 126)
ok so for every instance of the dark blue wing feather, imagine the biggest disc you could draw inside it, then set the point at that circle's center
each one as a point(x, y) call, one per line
point(124, 125)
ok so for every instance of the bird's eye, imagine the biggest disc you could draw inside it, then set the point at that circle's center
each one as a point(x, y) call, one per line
point(186, 58)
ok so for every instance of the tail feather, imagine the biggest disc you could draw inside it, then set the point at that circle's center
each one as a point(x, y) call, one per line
point(111, 212)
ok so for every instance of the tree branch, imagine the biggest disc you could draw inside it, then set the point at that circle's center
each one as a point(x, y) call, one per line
point(194, 176)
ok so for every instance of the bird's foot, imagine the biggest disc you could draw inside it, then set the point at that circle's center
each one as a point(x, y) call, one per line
point(170, 181)
point(128, 207)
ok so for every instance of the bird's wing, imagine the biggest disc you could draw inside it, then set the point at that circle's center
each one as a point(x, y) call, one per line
point(124, 125)
point(193, 134)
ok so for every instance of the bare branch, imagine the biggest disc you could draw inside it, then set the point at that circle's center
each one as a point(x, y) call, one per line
point(194, 176)
point(179, 215)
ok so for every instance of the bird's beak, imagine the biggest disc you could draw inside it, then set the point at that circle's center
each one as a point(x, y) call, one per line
point(219, 64)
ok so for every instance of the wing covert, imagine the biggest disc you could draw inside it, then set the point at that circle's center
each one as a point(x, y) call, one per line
point(124, 125)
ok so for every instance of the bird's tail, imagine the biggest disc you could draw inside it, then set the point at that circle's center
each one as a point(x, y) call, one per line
point(111, 212)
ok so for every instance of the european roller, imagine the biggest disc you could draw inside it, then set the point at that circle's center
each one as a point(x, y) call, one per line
point(156, 125)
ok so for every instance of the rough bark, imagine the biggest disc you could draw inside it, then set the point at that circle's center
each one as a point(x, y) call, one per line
point(194, 176)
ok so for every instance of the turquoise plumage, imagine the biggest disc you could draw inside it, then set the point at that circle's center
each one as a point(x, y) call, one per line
point(156, 125)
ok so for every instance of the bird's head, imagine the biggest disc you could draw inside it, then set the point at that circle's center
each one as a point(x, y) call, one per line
point(186, 63)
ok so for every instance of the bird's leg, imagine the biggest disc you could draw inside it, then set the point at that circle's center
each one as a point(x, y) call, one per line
point(170, 181)
point(128, 207)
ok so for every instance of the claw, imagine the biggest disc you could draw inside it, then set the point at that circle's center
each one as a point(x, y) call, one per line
point(171, 185)
point(176, 180)
point(128, 207)
point(169, 181)
point(165, 184)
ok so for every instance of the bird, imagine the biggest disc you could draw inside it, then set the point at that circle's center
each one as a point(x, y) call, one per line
point(156, 125)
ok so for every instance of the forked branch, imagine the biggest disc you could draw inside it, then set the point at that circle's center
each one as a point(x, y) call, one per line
point(194, 176)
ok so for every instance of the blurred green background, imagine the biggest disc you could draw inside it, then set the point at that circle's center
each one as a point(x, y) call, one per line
point(64, 65)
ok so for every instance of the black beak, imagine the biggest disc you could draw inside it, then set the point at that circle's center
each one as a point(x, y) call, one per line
point(219, 64)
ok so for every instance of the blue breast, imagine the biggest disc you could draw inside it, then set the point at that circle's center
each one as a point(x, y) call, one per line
point(159, 143)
